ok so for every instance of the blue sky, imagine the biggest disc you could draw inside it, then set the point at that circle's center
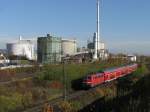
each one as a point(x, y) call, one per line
point(125, 24)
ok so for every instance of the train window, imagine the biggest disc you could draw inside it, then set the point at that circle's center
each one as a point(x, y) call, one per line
point(97, 75)
point(100, 76)
point(88, 77)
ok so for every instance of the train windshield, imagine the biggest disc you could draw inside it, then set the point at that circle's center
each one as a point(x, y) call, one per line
point(88, 78)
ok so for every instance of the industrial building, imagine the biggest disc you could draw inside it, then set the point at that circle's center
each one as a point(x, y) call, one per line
point(101, 52)
point(69, 47)
point(21, 48)
point(3, 60)
point(132, 58)
point(91, 46)
point(49, 49)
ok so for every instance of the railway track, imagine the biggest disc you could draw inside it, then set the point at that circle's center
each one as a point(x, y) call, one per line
point(39, 107)
point(17, 78)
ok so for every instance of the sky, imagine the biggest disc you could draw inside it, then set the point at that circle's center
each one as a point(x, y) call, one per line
point(124, 24)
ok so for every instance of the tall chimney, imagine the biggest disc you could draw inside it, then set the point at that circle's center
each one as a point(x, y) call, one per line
point(95, 46)
point(20, 38)
point(98, 33)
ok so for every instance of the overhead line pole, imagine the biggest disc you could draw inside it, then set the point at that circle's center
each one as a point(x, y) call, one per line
point(64, 80)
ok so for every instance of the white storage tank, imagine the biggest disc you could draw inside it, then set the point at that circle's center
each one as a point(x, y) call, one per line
point(21, 48)
point(132, 58)
point(102, 46)
point(69, 46)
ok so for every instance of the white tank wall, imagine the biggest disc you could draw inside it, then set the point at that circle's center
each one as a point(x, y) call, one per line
point(102, 46)
point(21, 49)
point(69, 47)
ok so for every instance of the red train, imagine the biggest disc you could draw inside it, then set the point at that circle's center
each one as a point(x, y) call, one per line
point(107, 75)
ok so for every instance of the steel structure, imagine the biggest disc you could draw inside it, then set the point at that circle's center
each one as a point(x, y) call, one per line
point(49, 49)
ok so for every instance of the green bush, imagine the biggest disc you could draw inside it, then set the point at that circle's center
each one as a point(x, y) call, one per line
point(76, 105)
point(142, 70)
point(27, 99)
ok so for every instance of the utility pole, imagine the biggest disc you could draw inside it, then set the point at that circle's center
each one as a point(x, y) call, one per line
point(64, 80)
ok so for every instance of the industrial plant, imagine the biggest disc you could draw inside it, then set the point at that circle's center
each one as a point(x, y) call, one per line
point(52, 49)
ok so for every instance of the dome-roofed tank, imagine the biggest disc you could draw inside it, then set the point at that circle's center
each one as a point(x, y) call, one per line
point(69, 46)
point(21, 48)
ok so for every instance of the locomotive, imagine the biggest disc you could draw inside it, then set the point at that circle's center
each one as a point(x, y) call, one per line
point(107, 75)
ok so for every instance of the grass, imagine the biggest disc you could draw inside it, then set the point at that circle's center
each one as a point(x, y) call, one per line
point(71, 71)
point(48, 83)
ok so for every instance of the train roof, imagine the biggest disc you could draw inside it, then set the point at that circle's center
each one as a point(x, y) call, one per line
point(95, 73)
point(109, 69)
point(114, 68)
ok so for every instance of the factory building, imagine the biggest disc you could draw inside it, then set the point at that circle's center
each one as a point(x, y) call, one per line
point(91, 46)
point(49, 49)
point(69, 47)
point(101, 52)
point(132, 58)
point(3, 60)
point(21, 48)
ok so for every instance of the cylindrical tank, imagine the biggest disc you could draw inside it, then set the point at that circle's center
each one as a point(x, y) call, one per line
point(69, 47)
point(21, 48)
point(102, 46)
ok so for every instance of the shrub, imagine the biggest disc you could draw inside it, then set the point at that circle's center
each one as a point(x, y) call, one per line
point(10, 103)
point(66, 106)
